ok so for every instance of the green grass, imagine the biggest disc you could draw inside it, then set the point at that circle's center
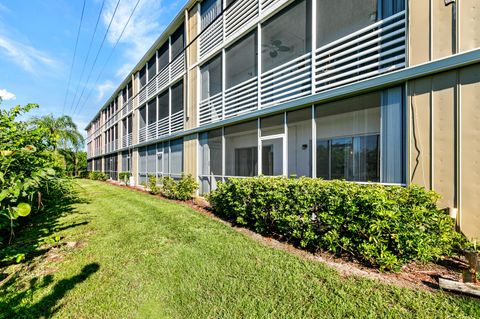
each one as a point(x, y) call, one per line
point(142, 257)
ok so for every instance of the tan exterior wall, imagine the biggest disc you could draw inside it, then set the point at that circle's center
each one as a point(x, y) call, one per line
point(444, 141)
point(437, 31)
point(190, 148)
point(468, 24)
point(192, 70)
point(470, 150)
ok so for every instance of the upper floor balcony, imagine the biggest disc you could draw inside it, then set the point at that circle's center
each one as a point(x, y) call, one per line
point(259, 53)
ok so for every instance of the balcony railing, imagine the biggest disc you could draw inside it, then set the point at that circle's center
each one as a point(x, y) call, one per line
point(373, 50)
point(165, 126)
point(165, 77)
point(242, 98)
point(368, 52)
point(210, 109)
point(127, 140)
point(239, 14)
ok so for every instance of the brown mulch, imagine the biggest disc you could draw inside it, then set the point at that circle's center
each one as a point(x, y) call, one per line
point(414, 275)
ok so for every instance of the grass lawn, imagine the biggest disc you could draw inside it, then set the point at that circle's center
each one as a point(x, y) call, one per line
point(141, 257)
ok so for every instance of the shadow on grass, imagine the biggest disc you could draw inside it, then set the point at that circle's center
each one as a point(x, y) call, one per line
point(29, 239)
point(49, 304)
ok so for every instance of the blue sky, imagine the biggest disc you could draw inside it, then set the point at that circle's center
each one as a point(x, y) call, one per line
point(37, 40)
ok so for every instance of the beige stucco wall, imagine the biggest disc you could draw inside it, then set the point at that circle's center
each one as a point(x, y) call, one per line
point(434, 32)
point(444, 141)
point(192, 69)
point(190, 148)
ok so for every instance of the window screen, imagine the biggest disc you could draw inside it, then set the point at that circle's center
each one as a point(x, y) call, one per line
point(152, 67)
point(178, 41)
point(211, 77)
point(177, 97)
point(163, 56)
point(241, 60)
point(286, 36)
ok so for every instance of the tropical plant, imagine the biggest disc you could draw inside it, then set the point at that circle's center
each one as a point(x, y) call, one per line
point(62, 130)
point(27, 166)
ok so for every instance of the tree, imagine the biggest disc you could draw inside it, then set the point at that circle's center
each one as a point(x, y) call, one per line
point(62, 129)
point(68, 140)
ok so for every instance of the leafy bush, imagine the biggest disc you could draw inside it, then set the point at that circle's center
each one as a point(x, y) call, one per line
point(83, 174)
point(384, 226)
point(182, 189)
point(28, 169)
point(97, 176)
point(124, 176)
point(152, 184)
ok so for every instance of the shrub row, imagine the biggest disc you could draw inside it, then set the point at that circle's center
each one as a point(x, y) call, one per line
point(182, 189)
point(383, 226)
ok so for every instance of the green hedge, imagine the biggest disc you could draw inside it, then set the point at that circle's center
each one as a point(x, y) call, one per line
point(384, 226)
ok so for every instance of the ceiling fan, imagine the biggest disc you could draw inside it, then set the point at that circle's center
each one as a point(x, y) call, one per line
point(275, 47)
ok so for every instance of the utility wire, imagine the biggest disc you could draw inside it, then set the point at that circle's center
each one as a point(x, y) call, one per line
point(73, 59)
point(109, 57)
point(88, 51)
point(96, 57)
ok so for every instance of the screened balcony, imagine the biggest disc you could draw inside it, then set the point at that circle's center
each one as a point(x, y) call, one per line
point(359, 139)
point(163, 114)
point(301, 51)
point(168, 65)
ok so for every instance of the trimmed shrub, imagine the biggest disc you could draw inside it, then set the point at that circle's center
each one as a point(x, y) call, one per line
point(383, 226)
point(152, 184)
point(97, 176)
point(124, 177)
point(182, 189)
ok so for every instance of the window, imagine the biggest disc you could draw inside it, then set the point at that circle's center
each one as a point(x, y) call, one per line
point(129, 89)
point(348, 134)
point(210, 159)
point(209, 10)
point(338, 18)
point(126, 161)
point(241, 61)
point(143, 76)
point(287, 35)
point(163, 56)
point(143, 117)
point(246, 161)
point(391, 7)
point(142, 165)
point(152, 159)
point(177, 97)
point(152, 111)
point(163, 105)
point(211, 77)
point(299, 142)
point(176, 157)
point(177, 41)
point(241, 142)
point(129, 118)
point(152, 67)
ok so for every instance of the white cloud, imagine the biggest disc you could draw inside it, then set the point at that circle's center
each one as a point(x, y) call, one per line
point(141, 32)
point(27, 57)
point(104, 88)
point(5, 95)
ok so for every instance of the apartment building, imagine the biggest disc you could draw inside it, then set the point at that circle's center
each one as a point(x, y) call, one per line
point(371, 91)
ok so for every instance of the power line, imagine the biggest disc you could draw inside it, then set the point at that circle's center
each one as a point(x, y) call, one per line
point(98, 53)
point(74, 54)
point(89, 50)
point(109, 57)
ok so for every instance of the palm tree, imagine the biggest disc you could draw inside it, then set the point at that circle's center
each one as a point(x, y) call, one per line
point(63, 130)
point(68, 140)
